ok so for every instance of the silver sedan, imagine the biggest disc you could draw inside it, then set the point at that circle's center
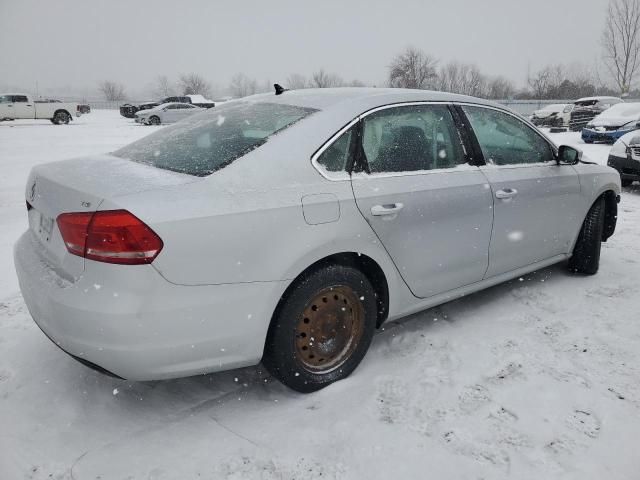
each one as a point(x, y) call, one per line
point(166, 113)
point(288, 227)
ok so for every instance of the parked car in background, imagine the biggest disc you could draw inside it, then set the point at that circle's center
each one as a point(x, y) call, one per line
point(624, 156)
point(613, 123)
point(586, 109)
point(287, 228)
point(19, 106)
point(166, 113)
point(555, 115)
point(128, 110)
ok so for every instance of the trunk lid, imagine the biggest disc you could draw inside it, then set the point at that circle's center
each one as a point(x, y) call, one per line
point(81, 185)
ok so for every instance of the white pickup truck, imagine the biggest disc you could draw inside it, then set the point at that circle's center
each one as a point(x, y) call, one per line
point(15, 106)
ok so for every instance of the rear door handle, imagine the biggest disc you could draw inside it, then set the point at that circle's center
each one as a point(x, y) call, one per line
point(506, 193)
point(386, 209)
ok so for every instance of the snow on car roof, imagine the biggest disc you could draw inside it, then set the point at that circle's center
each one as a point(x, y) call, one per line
point(622, 110)
point(589, 99)
point(361, 97)
point(199, 99)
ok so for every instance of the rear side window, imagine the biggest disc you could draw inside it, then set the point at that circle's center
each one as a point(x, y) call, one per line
point(336, 156)
point(20, 98)
point(207, 142)
point(505, 140)
point(411, 138)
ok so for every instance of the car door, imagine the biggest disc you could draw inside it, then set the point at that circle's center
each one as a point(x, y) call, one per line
point(183, 111)
point(431, 210)
point(536, 201)
point(170, 114)
point(23, 108)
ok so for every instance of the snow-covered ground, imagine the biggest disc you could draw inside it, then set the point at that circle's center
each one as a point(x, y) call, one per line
point(538, 378)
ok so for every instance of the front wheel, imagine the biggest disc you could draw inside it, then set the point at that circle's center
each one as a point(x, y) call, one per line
point(154, 120)
point(322, 329)
point(586, 254)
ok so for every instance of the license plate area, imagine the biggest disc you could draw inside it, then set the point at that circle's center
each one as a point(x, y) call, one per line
point(41, 225)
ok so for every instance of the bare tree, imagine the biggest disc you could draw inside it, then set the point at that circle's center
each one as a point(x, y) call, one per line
point(355, 83)
point(194, 84)
point(295, 81)
point(241, 85)
point(500, 88)
point(546, 80)
point(413, 69)
point(163, 87)
point(322, 79)
point(462, 78)
point(621, 42)
point(112, 91)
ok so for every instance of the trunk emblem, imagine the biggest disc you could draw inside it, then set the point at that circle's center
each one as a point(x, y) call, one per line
point(85, 204)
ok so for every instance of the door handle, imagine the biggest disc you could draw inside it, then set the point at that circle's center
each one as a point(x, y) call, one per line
point(386, 209)
point(28, 105)
point(506, 193)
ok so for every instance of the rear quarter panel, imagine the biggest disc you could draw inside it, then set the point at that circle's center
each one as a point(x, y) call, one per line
point(245, 222)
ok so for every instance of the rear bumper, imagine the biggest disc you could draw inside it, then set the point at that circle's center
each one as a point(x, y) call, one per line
point(134, 324)
point(595, 136)
point(628, 168)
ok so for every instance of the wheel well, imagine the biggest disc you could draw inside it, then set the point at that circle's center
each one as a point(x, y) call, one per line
point(610, 213)
point(366, 265)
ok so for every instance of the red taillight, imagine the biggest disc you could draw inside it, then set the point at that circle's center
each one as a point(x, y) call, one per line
point(111, 236)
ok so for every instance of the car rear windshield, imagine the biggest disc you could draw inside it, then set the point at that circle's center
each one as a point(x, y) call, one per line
point(207, 142)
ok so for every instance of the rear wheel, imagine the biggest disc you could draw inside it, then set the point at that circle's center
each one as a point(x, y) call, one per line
point(586, 254)
point(322, 329)
point(154, 120)
point(61, 117)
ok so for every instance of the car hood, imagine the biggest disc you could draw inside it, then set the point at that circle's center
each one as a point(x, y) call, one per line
point(544, 113)
point(148, 111)
point(630, 139)
point(612, 121)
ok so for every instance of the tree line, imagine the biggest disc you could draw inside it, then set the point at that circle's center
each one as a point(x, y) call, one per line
point(415, 68)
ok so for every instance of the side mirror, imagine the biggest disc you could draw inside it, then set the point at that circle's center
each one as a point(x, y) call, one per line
point(568, 155)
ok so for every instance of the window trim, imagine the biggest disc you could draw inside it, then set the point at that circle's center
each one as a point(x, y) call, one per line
point(346, 175)
point(476, 144)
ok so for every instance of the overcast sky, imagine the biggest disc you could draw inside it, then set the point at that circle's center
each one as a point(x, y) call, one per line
point(80, 42)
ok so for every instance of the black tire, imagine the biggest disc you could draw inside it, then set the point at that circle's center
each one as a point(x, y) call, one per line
point(154, 120)
point(290, 353)
point(586, 253)
point(61, 117)
point(625, 182)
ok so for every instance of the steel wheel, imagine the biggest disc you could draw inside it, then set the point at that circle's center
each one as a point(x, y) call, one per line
point(329, 329)
point(322, 328)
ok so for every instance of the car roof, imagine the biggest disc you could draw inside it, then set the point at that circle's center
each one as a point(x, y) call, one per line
point(362, 97)
point(174, 103)
point(587, 99)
